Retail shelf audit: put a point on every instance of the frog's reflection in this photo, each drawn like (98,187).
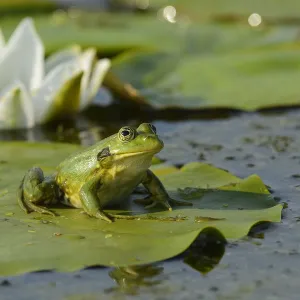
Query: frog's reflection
(203,255)
(130,279)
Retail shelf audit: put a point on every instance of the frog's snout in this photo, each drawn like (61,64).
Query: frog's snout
(154,142)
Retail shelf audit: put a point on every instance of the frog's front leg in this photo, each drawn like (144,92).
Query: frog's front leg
(36,189)
(90,201)
(158,194)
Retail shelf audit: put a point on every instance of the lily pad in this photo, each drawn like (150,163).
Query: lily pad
(247,80)
(73,240)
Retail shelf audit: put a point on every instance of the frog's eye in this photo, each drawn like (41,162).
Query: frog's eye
(126,134)
(103,153)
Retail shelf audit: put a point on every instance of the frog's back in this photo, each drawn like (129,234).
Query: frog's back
(78,165)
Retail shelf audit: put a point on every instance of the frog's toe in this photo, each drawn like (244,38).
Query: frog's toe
(151,202)
(155,203)
(40,209)
(46,211)
(103,216)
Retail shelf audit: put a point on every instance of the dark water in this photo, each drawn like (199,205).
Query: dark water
(265,265)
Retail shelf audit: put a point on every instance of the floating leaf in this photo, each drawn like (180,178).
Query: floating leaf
(243,80)
(73,240)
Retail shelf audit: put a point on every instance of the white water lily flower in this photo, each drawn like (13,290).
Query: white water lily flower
(34,90)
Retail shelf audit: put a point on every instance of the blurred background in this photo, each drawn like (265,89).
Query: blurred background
(169,59)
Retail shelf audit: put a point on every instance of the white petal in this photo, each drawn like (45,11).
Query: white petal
(59,93)
(101,68)
(16,109)
(23,57)
(86,63)
(60,57)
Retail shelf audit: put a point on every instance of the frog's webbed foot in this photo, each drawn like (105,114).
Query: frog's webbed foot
(110,218)
(152,201)
(35,189)
(158,194)
(104,216)
(40,209)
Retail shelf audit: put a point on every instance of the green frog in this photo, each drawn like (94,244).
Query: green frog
(99,176)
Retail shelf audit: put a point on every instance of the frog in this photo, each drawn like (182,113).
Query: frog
(99,176)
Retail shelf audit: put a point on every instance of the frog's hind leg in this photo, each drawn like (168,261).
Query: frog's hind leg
(36,189)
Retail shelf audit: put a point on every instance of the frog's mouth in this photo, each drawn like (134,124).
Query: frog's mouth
(127,154)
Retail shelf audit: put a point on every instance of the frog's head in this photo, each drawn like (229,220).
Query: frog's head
(129,142)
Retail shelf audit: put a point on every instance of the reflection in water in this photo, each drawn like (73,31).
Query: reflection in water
(206,251)
(98,122)
(81,131)
(203,255)
(131,279)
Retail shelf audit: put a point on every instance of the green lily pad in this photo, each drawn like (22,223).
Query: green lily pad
(245,80)
(73,240)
